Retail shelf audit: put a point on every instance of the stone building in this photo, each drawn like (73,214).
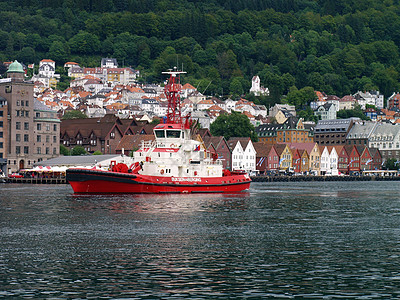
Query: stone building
(3,134)
(28,127)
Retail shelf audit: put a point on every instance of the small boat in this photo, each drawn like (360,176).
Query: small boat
(173,162)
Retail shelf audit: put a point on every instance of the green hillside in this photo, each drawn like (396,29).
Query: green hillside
(335,46)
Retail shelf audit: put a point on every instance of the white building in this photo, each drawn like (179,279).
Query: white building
(256,87)
(243,154)
(109,63)
(370,98)
(230,105)
(326,111)
(329,161)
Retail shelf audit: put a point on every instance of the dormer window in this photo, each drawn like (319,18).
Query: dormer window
(112,135)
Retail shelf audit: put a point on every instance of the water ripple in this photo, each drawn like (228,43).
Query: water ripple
(279,240)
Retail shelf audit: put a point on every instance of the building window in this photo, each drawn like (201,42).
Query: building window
(26,103)
(17,137)
(1,145)
(39,126)
(26,138)
(39,138)
(39,150)
(1,134)
(47,138)
(55,127)
(18,125)
(54,150)
(26,149)
(26,126)
(54,139)
(47,150)
(48,127)
(37,115)
(18,149)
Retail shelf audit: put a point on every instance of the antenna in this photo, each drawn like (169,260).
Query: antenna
(197,87)
(172,91)
(207,87)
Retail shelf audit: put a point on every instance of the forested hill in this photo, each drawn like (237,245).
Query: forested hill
(334,46)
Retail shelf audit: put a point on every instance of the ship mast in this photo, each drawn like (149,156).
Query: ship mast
(172,92)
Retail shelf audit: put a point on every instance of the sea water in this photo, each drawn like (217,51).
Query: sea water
(278,240)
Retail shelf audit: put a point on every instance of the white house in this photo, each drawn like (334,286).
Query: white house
(230,105)
(150,105)
(243,154)
(326,111)
(325,160)
(205,104)
(93,85)
(329,160)
(47,68)
(109,63)
(187,89)
(333,161)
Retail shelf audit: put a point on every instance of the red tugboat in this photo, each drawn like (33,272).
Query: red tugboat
(172,163)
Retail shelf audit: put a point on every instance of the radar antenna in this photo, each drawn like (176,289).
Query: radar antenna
(172,91)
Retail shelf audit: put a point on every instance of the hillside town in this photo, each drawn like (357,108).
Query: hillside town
(121,113)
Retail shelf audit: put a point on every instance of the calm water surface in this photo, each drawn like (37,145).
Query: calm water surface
(284,240)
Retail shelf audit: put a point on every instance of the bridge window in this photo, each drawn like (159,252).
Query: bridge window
(160,133)
(173,134)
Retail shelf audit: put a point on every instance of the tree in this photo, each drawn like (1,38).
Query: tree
(233,125)
(301,98)
(236,87)
(64,150)
(78,150)
(26,55)
(84,43)
(348,113)
(391,164)
(308,115)
(155,121)
(58,52)
(74,114)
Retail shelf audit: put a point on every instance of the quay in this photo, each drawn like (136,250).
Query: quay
(62,180)
(55,180)
(322,178)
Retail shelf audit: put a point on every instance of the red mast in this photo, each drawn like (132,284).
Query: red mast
(172,92)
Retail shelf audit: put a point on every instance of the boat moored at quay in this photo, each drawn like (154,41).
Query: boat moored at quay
(173,162)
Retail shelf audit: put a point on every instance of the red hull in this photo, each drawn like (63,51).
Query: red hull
(94,181)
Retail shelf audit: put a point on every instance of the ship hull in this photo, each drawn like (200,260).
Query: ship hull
(105,182)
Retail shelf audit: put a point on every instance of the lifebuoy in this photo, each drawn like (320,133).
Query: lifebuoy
(195,173)
(172,145)
(162,171)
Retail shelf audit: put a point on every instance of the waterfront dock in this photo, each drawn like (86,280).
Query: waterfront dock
(62,180)
(322,178)
(56,180)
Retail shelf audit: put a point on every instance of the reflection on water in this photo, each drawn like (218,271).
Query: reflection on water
(285,240)
(164,203)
